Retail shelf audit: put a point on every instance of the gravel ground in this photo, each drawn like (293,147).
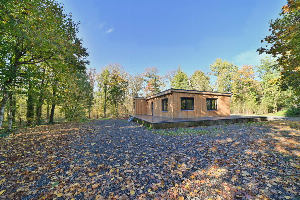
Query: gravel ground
(117,159)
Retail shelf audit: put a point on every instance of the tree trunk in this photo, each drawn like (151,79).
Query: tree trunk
(39,111)
(51,120)
(14,108)
(48,113)
(89,112)
(38,114)
(10,116)
(116,110)
(2,107)
(40,102)
(30,106)
(105,99)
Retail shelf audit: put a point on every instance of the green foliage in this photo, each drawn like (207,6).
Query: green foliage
(200,81)
(153,81)
(136,85)
(283,43)
(113,83)
(117,87)
(224,71)
(38,45)
(293,112)
(90,95)
(180,80)
(76,90)
(245,90)
(271,94)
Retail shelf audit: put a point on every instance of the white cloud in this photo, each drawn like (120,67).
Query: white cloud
(250,57)
(110,30)
(101,25)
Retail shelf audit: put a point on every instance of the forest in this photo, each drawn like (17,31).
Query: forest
(44,74)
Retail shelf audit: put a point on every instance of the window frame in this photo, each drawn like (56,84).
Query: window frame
(186,104)
(162,104)
(211,100)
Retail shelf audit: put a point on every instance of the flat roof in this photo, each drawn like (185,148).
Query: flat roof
(170,91)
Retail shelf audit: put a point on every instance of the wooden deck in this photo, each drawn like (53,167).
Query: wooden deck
(158,122)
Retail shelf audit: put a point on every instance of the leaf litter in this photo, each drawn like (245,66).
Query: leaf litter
(115,159)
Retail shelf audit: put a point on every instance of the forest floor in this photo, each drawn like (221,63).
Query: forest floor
(117,159)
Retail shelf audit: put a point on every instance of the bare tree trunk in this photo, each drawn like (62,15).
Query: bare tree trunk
(105,99)
(2,107)
(40,102)
(14,108)
(30,106)
(10,119)
(89,112)
(48,113)
(116,110)
(39,114)
(51,121)
(39,110)
(10,116)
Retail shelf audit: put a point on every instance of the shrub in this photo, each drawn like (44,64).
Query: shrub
(293,112)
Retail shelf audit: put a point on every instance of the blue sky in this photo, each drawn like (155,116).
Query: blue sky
(166,33)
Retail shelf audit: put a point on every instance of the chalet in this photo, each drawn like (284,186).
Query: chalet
(178,103)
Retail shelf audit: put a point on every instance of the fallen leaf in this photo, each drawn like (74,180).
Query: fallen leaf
(59,194)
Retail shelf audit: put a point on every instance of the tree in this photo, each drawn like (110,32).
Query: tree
(90,98)
(224,71)
(118,83)
(283,44)
(199,81)
(136,85)
(113,83)
(153,81)
(34,32)
(103,80)
(245,90)
(169,76)
(180,80)
(76,90)
(271,93)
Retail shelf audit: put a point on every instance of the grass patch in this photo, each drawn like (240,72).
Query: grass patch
(4,133)
(186,131)
(103,119)
(291,124)
(282,113)
(256,123)
(291,112)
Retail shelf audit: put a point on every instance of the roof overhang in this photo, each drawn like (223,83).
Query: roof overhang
(170,91)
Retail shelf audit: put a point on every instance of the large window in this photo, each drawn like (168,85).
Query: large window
(187,103)
(164,104)
(211,104)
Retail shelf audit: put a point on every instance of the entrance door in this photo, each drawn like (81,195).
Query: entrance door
(152,108)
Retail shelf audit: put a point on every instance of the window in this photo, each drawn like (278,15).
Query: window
(211,104)
(133,105)
(164,104)
(187,103)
